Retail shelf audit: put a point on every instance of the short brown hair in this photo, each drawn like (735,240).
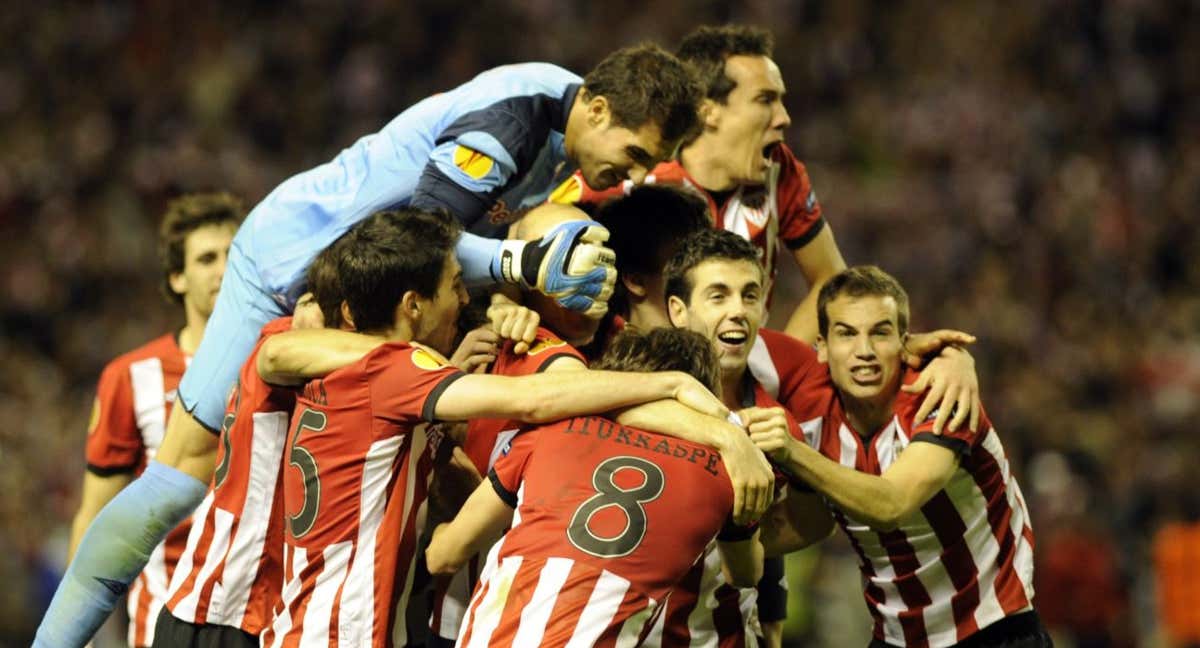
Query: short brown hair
(663,349)
(323,283)
(645,84)
(707,48)
(861,281)
(705,245)
(185,215)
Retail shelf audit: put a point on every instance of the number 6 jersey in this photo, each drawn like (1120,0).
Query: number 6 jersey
(607,520)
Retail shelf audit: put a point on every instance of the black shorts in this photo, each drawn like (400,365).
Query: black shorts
(1024,630)
(772,592)
(170,632)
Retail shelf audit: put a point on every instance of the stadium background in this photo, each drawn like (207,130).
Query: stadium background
(1030,170)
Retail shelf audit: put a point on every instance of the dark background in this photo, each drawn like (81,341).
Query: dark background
(1030,170)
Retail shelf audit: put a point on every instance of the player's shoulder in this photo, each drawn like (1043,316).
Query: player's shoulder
(787,351)
(164,348)
(277,325)
(518,79)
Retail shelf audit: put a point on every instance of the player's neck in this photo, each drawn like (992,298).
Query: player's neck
(866,417)
(731,389)
(575,123)
(704,162)
(190,335)
(644,316)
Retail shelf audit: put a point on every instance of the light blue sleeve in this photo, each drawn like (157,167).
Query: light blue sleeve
(114,551)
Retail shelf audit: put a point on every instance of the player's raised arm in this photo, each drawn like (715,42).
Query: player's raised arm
(482,518)
(293,357)
(549,397)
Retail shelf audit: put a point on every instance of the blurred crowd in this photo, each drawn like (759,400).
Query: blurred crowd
(1030,170)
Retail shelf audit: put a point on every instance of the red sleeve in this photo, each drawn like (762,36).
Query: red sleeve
(508,470)
(546,348)
(799,212)
(575,191)
(797,368)
(406,381)
(114,443)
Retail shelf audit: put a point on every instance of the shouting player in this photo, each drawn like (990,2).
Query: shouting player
(484,151)
(137,390)
(940,526)
(607,519)
(738,163)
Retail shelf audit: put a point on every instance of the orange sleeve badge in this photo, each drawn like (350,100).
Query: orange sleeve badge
(428,359)
(472,162)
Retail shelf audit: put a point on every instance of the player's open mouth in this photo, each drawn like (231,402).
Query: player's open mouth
(867,374)
(733,341)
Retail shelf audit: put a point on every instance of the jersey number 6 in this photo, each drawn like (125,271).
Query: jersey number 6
(630,501)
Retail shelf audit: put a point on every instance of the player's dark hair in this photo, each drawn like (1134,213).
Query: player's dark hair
(663,349)
(388,254)
(324,284)
(862,281)
(702,246)
(706,49)
(185,215)
(645,84)
(645,227)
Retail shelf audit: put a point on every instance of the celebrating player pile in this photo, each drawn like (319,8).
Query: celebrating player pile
(339,504)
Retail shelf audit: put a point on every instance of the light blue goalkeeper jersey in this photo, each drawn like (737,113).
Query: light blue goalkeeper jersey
(487,151)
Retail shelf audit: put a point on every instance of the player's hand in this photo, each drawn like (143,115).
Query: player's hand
(477,350)
(953,387)
(768,428)
(570,264)
(919,345)
(694,394)
(751,475)
(512,321)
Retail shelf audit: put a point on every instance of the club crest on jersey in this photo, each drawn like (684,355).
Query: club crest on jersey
(428,359)
(472,162)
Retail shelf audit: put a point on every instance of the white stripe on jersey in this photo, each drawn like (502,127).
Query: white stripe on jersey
(295,560)
(537,613)
(244,553)
(149,402)
(486,616)
(356,612)
(186,561)
(420,443)
(223,523)
(599,611)
(318,630)
(763,368)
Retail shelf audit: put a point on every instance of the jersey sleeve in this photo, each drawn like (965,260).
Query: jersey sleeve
(477,155)
(509,469)
(961,441)
(800,218)
(405,383)
(114,443)
(546,348)
(576,191)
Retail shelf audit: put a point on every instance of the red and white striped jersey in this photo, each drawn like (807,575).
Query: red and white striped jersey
(354,498)
(959,564)
(784,209)
(704,610)
(485,440)
(607,520)
(231,572)
(133,400)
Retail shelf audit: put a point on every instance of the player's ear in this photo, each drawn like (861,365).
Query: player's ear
(677,311)
(347,317)
(822,349)
(410,305)
(634,284)
(710,113)
(178,282)
(598,112)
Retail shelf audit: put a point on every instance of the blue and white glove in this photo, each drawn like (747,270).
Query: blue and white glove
(570,264)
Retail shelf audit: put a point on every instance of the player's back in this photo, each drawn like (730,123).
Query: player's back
(607,520)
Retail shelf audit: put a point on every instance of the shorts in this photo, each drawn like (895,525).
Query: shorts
(243,307)
(173,633)
(772,592)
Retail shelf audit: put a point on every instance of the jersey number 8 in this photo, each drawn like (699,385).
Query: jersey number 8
(630,501)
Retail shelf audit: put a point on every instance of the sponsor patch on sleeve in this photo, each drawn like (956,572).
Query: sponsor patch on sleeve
(428,359)
(567,193)
(472,162)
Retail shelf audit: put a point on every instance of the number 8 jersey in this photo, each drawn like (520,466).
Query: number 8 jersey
(356,469)
(607,520)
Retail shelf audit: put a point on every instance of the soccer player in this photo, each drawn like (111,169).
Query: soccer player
(751,181)
(608,518)
(137,390)
(358,444)
(940,526)
(485,151)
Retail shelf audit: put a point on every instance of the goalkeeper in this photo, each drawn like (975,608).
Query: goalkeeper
(486,151)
